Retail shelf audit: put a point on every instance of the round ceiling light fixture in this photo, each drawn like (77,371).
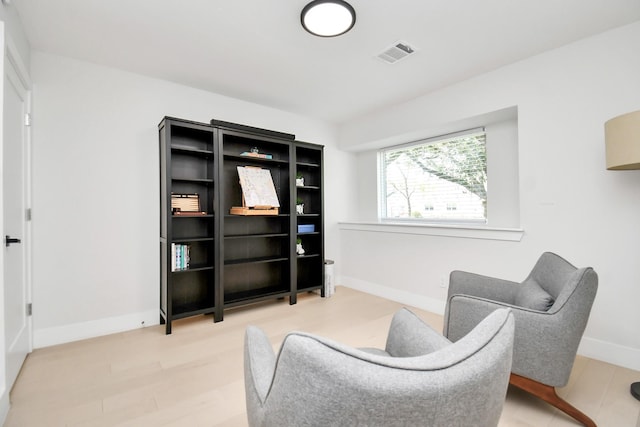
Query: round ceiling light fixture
(328,18)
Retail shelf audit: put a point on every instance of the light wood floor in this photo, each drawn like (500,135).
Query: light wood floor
(194,377)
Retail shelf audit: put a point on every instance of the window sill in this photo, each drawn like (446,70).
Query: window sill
(463,231)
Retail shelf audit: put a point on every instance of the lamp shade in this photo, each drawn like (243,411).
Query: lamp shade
(622,139)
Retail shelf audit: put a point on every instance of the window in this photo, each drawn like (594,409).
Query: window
(438,179)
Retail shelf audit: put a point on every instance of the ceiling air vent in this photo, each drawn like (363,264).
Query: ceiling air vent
(396,52)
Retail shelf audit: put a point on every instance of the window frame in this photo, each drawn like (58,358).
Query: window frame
(382,178)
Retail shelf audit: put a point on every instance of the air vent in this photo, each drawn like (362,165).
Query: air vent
(396,52)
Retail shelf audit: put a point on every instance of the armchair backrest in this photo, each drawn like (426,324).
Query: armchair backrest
(317,381)
(563,281)
(548,358)
(552,273)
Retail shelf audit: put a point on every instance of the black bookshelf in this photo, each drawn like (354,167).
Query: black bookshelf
(309,266)
(235,259)
(187,166)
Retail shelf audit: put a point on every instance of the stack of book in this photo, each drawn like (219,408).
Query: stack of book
(256,154)
(179,257)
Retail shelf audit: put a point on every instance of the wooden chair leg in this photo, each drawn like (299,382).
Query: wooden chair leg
(548,394)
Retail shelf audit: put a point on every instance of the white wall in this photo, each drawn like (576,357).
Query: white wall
(96,190)
(569,203)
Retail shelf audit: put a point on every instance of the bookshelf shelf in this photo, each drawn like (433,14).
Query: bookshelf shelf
(256,260)
(196,180)
(257,160)
(255,236)
(189,150)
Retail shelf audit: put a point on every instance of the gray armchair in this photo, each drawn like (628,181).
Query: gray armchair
(420,379)
(551,308)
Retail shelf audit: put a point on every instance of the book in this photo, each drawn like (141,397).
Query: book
(180,258)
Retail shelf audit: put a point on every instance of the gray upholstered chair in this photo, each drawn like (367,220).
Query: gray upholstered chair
(551,308)
(420,379)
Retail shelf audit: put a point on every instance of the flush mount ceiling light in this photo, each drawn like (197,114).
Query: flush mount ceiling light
(328,18)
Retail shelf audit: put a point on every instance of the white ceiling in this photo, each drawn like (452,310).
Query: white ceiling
(256,50)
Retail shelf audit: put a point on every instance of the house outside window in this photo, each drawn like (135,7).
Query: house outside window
(441,179)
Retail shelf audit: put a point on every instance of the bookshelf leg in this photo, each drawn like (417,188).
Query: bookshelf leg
(217,316)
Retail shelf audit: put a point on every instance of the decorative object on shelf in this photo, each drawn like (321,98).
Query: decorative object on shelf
(306,228)
(254,152)
(250,211)
(328,18)
(259,195)
(299,248)
(299,180)
(622,139)
(186,204)
(299,206)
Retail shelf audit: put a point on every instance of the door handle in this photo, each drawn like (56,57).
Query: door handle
(9,240)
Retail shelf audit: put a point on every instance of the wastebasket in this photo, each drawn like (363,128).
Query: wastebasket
(329,284)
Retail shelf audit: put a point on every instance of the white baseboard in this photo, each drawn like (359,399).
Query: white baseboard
(78,331)
(605,351)
(4,406)
(615,354)
(403,297)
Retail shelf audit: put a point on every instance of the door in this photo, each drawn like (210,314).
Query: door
(14,238)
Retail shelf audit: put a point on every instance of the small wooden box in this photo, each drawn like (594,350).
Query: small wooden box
(258,210)
(186,204)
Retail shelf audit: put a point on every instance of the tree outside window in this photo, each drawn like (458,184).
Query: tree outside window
(440,179)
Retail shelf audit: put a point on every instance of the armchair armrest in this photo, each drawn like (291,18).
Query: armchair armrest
(462,282)
(409,336)
(259,363)
(468,310)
